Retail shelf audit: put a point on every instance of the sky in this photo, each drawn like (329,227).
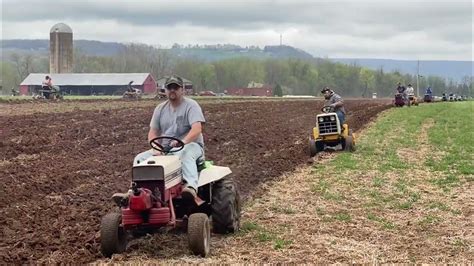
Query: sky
(401,29)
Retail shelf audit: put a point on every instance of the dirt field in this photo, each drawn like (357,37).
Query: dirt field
(58,168)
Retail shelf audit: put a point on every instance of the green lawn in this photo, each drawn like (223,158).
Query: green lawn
(412,173)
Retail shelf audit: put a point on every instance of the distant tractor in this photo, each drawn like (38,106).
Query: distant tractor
(427,98)
(160,94)
(412,100)
(49,93)
(399,101)
(444,97)
(452,97)
(132,93)
(329,132)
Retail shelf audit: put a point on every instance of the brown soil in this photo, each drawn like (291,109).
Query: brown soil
(58,170)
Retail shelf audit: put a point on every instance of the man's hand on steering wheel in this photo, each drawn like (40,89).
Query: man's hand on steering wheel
(176,144)
(164,149)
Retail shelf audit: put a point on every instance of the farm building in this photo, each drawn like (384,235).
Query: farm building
(265,90)
(91,83)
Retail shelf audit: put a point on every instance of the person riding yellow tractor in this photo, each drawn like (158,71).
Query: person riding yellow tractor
(330,130)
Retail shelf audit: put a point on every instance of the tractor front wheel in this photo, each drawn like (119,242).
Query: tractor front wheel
(113,237)
(315,146)
(225,206)
(312,147)
(199,234)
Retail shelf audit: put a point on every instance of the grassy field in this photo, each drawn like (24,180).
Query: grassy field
(405,195)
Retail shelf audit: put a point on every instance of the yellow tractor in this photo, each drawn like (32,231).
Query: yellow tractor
(412,100)
(328,132)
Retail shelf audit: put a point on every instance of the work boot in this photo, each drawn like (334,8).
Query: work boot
(188,193)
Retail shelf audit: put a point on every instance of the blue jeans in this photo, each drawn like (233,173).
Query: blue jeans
(341,116)
(188,156)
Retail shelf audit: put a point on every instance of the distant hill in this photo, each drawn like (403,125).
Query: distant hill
(96,48)
(446,69)
(204,52)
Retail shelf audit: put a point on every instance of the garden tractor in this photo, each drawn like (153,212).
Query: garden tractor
(154,201)
(412,100)
(444,97)
(49,93)
(160,94)
(132,93)
(329,133)
(399,100)
(428,98)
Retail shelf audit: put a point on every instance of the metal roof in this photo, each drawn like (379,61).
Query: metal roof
(87,79)
(60,27)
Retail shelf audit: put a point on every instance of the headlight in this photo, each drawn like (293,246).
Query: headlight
(332,118)
(321,119)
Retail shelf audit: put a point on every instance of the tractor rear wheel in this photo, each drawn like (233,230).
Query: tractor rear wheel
(199,234)
(113,237)
(349,144)
(225,206)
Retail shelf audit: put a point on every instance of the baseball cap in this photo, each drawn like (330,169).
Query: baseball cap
(325,89)
(174,80)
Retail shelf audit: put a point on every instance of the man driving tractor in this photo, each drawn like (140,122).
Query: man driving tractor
(179,117)
(50,91)
(335,101)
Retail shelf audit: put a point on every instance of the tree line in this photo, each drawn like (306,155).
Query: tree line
(292,76)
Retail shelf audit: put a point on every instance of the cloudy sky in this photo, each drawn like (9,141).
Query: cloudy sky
(397,29)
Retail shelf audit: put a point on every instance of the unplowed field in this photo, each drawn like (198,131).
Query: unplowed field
(59,169)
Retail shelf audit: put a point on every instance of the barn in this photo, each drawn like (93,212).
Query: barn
(91,83)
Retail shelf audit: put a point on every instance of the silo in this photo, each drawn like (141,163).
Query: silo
(60,49)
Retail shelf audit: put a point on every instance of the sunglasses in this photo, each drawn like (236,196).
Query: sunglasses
(173,87)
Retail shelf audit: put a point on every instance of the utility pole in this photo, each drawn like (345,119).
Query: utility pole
(417,79)
(281,36)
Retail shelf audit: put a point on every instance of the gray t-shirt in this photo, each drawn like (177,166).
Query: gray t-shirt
(334,99)
(177,122)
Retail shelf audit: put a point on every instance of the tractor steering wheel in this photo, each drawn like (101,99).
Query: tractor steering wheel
(156,145)
(327,109)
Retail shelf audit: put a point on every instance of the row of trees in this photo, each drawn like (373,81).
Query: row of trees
(294,76)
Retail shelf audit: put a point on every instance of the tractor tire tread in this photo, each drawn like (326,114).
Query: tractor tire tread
(198,229)
(225,206)
(112,239)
